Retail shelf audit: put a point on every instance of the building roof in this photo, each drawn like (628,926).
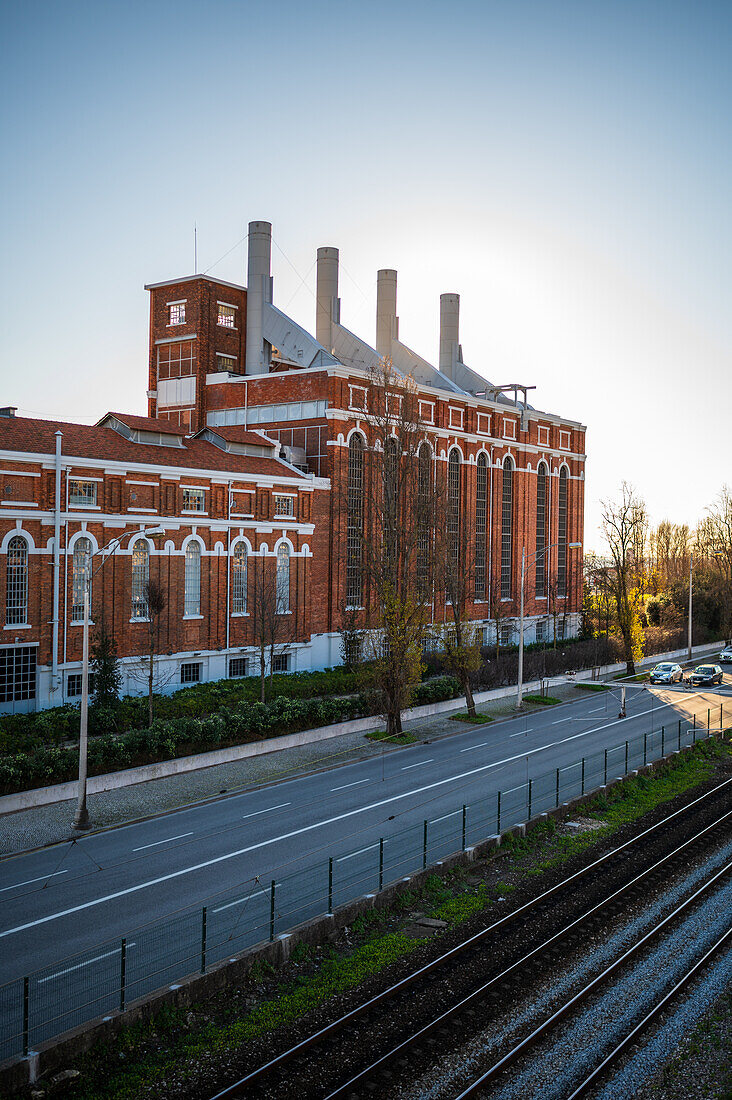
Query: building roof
(100,443)
(237,433)
(192,279)
(144,423)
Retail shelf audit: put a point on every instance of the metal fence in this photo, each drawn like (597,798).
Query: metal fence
(104,980)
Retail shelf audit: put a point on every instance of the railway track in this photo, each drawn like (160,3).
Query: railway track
(478,975)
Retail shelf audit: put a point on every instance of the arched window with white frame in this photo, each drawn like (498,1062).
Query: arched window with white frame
(542,508)
(239,579)
(192,593)
(80,577)
(283,578)
(562,533)
(507,530)
(354,531)
(140,579)
(424,518)
(16,591)
(453,507)
(481,513)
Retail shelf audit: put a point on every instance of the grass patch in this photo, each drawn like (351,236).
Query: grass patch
(478,719)
(399,739)
(592,687)
(542,700)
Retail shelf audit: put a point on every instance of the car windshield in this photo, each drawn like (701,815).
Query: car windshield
(705,669)
(664,668)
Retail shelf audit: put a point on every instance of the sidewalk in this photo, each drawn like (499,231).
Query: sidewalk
(51,824)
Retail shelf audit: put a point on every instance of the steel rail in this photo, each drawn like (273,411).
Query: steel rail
(544,1028)
(242,1086)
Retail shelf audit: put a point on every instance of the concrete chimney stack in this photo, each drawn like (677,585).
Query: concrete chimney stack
(387,322)
(327,302)
(259,291)
(449,334)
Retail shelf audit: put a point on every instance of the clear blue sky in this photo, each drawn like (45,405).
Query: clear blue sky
(565,167)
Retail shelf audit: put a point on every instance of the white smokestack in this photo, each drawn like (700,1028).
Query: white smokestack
(450,352)
(387,322)
(327,302)
(259,291)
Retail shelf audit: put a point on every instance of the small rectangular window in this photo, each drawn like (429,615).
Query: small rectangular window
(238,666)
(357,398)
(506,635)
(190,673)
(225,362)
(484,423)
(543,436)
(82,492)
(177,313)
(73,685)
(194,500)
(281,662)
(456,417)
(284,506)
(564,438)
(227,315)
(541,631)
(509,429)
(427,412)
(17,673)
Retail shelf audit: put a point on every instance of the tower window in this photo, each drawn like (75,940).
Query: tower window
(226,315)
(177,313)
(194,500)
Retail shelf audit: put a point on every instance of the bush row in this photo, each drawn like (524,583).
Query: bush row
(168,738)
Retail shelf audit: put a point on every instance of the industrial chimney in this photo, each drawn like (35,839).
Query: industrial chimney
(387,322)
(327,302)
(259,291)
(450,350)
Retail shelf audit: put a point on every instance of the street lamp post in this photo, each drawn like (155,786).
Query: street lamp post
(691,567)
(534,557)
(81,817)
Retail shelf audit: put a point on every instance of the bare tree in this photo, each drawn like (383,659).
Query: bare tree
(624,523)
(156,602)
(271,621)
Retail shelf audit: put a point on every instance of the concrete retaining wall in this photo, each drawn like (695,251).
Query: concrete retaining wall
(63,792)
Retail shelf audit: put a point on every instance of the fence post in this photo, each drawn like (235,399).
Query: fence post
(26,1014)
(557,788)
(381,862)
(679,735)
(694,728)
(498,815)
(626,757)
(583,775)
(330,884)
(645,748)
(271,911)
(424,847)
(709,719)
(663,740)
(529,815)
(122,975)
(606,767)
(203,940)
(465,824)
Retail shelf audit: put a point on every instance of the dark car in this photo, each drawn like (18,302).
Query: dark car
(706,674)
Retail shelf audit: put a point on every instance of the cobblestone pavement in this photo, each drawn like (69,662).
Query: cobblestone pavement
(44,825)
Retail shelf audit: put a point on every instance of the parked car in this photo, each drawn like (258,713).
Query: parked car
(666,673)
(726,655)
(706,674)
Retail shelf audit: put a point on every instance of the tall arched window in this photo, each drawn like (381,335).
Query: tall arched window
(239,579)
(542,498)
(507,531)
(140,578)
(192,598)
(16,592)
(283,578)
(424,518)
(354,531)
(453,507)
(80,576)
(562,534)
(481,511)
(391,515)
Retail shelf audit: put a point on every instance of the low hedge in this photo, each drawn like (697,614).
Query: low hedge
(167,738)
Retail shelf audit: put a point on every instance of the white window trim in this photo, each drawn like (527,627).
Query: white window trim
(482,417)
(565,446)
(192,617)
(543,442)
(427,405)
(506,423)
(360,389)
(453,409)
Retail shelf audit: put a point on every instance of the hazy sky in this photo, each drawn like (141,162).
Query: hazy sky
(565,167)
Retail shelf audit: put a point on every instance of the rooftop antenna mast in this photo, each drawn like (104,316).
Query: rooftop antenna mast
(195,249)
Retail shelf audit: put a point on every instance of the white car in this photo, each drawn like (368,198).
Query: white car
(666,673)
(725,657)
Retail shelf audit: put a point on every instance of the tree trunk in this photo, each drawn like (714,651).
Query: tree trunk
(262,676)
(469,701)
(150,690)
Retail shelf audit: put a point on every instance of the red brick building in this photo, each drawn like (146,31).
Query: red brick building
(257,432)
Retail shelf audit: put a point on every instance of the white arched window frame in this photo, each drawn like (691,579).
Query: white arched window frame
(481,514)
(239,579)
(507,530)
(454,464)
(542,516)
(192,579)
(140,558)
(283,579)
(562,532)
(424,517)
(354,533)
(16,591)
(80,577)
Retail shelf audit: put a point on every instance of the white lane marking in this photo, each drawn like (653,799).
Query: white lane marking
(156,842)
(521,733)
(360,852)
(268,810)
(309,828)
(560,720)
(445,817)
(239,901)
(418,764)
(28,881)
(597,710)
(347,785)
(470,748)
(88,962)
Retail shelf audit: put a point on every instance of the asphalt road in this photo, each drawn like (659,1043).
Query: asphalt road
(85,896)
